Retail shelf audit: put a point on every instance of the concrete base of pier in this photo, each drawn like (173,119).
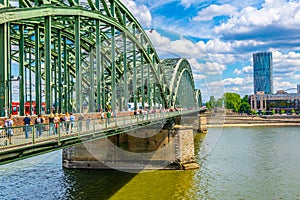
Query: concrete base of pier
(142,149)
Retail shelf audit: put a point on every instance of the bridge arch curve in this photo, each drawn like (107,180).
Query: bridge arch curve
(82,56)
(180,81)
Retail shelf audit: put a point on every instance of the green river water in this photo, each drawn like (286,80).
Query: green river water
(235,163)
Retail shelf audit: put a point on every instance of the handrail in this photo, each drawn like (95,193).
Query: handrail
(39,133)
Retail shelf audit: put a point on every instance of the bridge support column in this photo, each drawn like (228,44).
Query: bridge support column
(147,148)
(202,123)
(184,147)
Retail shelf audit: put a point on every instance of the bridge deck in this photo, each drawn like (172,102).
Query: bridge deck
(82,131)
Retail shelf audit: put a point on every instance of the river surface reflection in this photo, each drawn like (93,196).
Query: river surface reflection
(236,163)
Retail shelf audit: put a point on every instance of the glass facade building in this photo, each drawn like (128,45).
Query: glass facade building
(263,72)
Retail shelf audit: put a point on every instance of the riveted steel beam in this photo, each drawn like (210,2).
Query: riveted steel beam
(21,69)
(3,68)
(78,66)
(48,65)
(58,102)
(37,69)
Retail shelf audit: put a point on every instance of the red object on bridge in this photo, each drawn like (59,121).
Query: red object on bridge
(15,107)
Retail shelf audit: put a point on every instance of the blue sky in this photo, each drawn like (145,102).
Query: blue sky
(219,37)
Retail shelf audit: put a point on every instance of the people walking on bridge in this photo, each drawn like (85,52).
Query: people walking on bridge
(27,122)
(38,124)
(56,122)
(102,116)
(62,121)
(108,115)
(67,122)
(115,115)
(87,123)
(80,118)
(72,120)
(9,131)
(51,124)
(145,113)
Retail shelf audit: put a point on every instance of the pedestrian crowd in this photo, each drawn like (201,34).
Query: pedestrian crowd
(67,122)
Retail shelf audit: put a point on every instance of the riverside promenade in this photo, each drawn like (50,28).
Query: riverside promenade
(228,119)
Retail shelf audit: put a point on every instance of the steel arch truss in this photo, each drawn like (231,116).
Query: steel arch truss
(82,56)
(179,82)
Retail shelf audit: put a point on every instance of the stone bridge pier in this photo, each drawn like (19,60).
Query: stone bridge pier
(167,145)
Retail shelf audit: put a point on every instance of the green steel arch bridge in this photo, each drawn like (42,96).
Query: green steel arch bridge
(80,57)
(77,55)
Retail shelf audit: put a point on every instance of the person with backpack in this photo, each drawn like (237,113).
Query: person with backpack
(27,122)
(38,124)
(9,131)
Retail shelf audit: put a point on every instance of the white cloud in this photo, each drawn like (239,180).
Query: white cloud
(286,65)
(283,85)
(208,68)
(245,70)
(188,3)
(233,81)
(181,47)
(141,12)
(218,46)
(213,11)
(273,12)
(242,86)
(198,77)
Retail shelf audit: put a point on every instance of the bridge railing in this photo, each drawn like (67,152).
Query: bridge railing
(14,137)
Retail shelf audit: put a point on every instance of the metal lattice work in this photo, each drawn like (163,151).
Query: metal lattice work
(82,56)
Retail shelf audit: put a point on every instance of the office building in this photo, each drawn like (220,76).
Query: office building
(281,101)
(263,72)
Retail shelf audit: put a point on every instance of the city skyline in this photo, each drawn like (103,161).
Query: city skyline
(219,37)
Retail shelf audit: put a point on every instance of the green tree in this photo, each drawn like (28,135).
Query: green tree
(232,101)
(219,103)
(253,112)
(208,105)
(273,111)
(211,103)
(244,107)
(245,99)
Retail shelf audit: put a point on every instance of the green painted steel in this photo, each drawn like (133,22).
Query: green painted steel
(21,68)
(3,68)
(37,69)
(48,64)
(98,63)
(78,67)
(88,56)
(58,72)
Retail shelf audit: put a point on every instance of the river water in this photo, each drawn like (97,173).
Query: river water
(236,163)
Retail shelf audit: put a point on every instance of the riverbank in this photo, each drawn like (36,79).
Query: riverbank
(235,120)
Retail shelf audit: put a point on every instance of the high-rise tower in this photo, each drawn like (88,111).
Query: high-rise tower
(263,72)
